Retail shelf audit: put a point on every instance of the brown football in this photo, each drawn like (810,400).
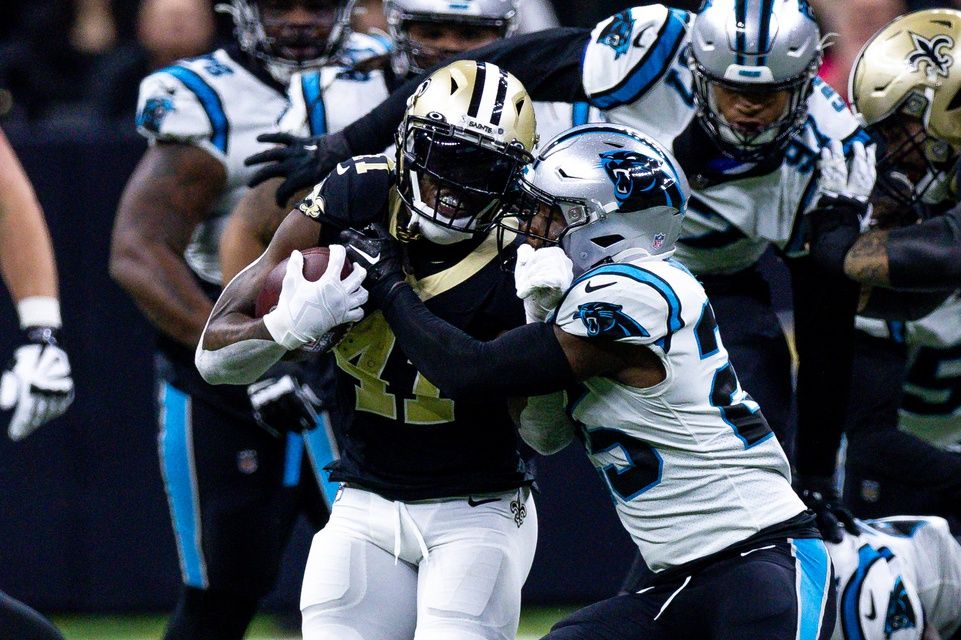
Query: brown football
(315,264)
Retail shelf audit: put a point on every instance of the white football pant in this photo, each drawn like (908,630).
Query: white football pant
(431,570)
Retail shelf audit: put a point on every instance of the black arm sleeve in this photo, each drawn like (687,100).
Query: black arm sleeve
(526,361)
(824,310)
(894,304)
(927,255)
(835,226)
(548,63)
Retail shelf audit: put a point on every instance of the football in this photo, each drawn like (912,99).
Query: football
(315,264)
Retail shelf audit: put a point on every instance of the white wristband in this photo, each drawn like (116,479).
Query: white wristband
(39,311)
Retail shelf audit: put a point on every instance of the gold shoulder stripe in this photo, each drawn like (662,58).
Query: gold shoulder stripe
(447,279)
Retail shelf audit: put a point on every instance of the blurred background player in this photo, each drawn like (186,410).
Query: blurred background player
(906,87)
(233,459)
(747,118)
(434,533)
(36,386)
(899,578)
(695,473)
(424,33)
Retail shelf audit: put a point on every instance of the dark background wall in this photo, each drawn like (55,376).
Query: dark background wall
(83,516)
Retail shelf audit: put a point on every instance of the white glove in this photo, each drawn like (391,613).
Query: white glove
(542,277)
(38,387)
(838,180)
(307,310)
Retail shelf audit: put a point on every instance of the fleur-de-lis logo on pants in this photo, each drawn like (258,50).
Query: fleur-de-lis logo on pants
(932,52)
(519,511)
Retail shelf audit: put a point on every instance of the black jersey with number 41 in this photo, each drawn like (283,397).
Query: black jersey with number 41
(403,439)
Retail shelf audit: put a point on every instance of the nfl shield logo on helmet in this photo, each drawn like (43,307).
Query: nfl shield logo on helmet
(658,241)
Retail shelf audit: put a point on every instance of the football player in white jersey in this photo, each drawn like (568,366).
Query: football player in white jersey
(899,578)
(36,386)
(239,464)
(733,92)
(696,476)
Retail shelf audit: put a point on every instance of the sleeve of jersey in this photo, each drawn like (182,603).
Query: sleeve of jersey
(623,303)
(353,195)
(630,52)
(176,104)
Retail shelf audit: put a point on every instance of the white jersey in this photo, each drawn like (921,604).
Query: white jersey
(691,464)
(931,406)
(634,68)
(901,573)
(216,103)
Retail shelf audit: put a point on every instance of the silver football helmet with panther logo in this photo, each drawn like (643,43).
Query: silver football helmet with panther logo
(285,48)
(599,190)
(754,46)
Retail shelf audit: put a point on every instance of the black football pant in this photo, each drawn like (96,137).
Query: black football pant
(20,622)
(887,471)
(782,591)
(235,492)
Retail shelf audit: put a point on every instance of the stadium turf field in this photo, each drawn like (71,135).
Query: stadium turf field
(535,622)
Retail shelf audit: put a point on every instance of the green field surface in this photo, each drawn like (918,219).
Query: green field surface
(535,622)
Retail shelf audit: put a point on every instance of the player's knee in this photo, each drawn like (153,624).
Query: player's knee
(318,626)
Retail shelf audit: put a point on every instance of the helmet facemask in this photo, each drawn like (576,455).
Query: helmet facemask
(911,163)
(765,140)
(542,219)
(413,55)
(284,47)
(452,179)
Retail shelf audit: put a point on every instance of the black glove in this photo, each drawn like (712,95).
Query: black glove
(301,161)
(283,404)
(821,497)
(381,255)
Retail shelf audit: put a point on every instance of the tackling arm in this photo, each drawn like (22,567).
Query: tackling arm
(171,191)
(924,256)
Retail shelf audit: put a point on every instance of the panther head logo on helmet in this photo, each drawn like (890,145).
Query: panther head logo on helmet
(634,175)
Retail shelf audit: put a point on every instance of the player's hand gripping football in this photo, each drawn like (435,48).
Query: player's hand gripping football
(838,180)
(301,161)
(37,383)
(541,277)
(307,310)
(380,254)
(821,497)
(283,404)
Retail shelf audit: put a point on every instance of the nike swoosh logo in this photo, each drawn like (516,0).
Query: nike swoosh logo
(477,503)
(369,258)
(342,169)
(590,289)
(874,613)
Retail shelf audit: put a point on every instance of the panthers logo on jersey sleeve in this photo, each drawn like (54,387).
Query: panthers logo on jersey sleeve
(630,52)
(622,302)
(177,105)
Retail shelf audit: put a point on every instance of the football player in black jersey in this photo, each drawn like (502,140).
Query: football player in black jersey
(434,530)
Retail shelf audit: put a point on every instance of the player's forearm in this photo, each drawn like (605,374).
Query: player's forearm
(26,253)
(236,349)
(501,366)
(867,260)
(249,229)
(163,288)
(926,256)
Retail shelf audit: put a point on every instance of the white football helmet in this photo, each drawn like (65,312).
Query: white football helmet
(601,190)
